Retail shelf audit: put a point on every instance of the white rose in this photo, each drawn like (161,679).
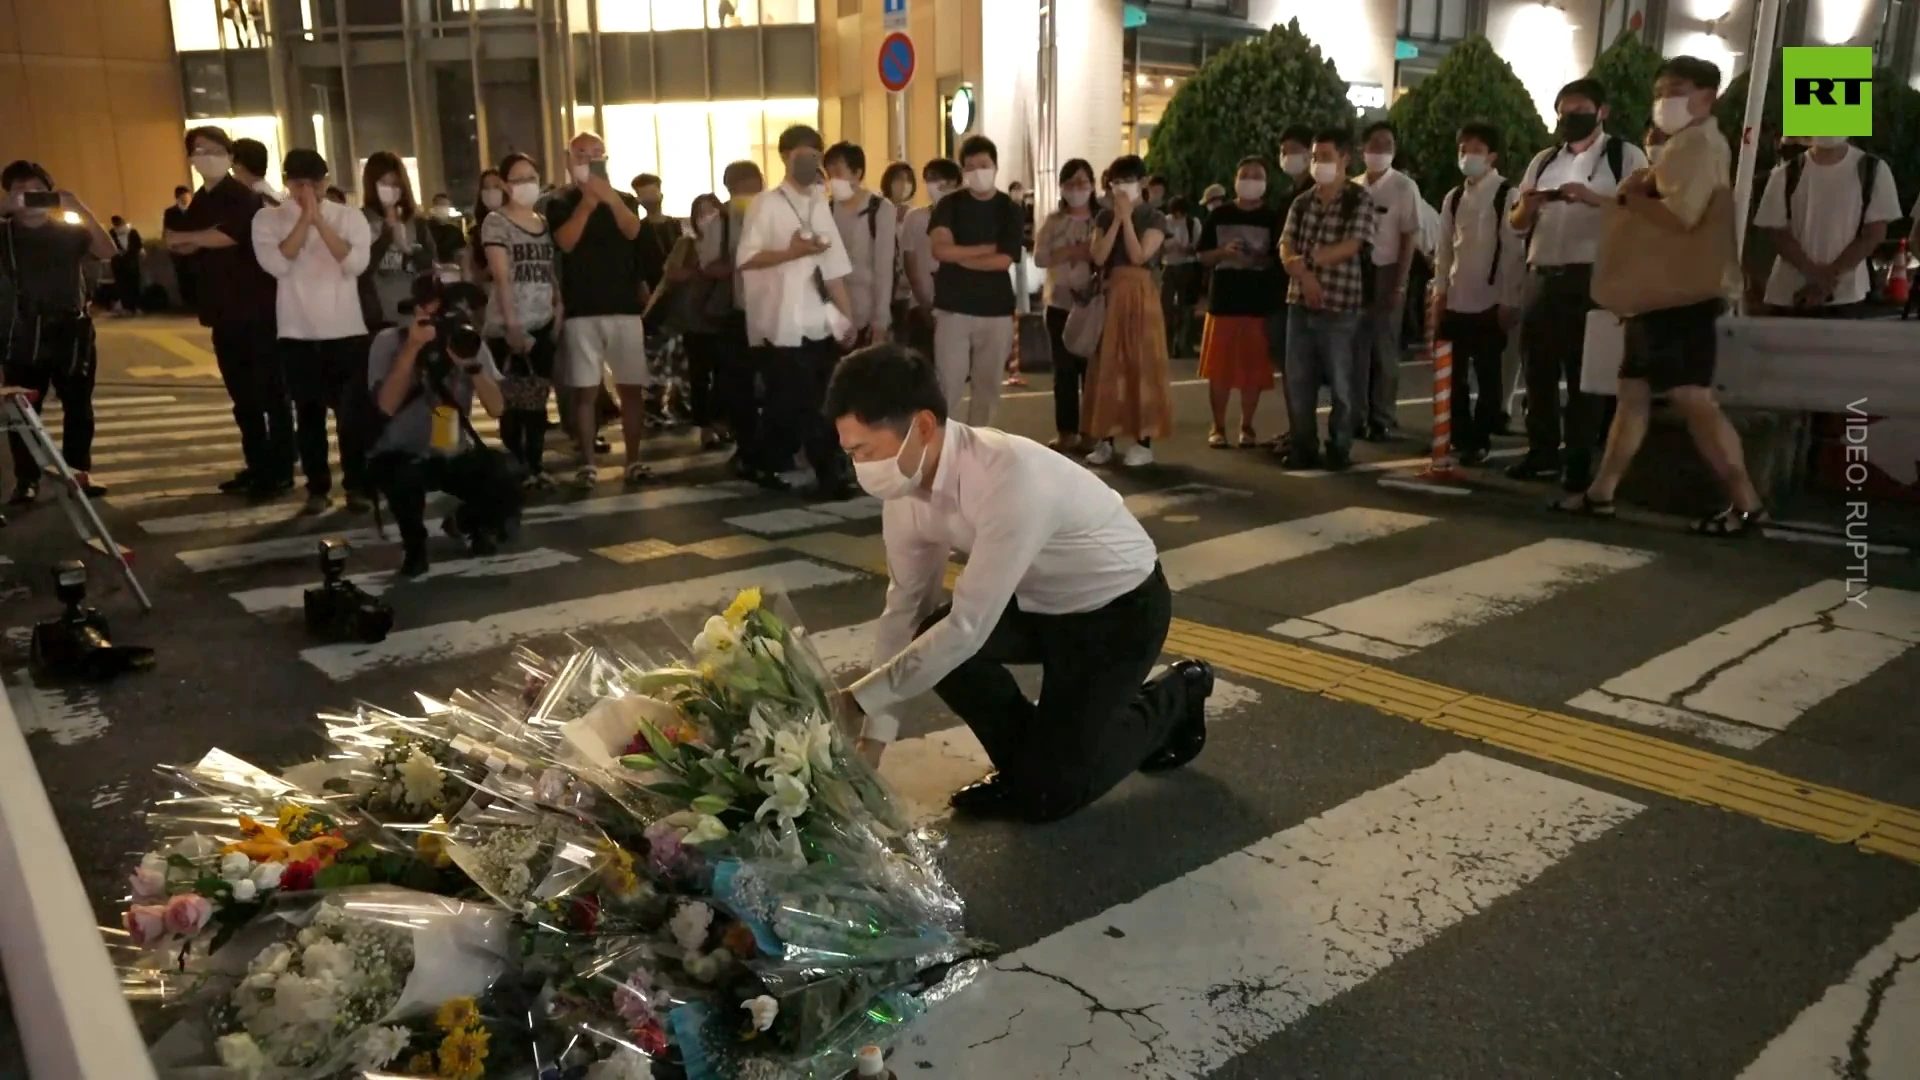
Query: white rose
(379,1046)
(623,1065)
(266,876)
(327,959)
(272,960)
(763,1009)
(239,1052)
(154,862)
(244,890)
(234,866)
(690,925)
(422,777)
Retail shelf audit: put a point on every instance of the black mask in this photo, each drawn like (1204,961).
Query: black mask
(1791,150)
(1575,127)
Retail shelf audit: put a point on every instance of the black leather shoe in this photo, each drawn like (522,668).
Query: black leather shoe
(242,483)
(988,798)
(1190,737)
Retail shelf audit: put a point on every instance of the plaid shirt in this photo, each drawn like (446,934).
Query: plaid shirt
(1311,223)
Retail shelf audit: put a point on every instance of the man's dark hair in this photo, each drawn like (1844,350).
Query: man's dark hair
(1297,133)
(1377,126)
(1251,159)
(1339,138)
(335,194)
(848,153)
(117,220)
(181,189)
(979,144)
(798,137)
(304,164)
(211,134)
(24,170)
(884,386)
(1483,131)
(1126,167)
(1157,179)
(1179,205)
(1703,74)
(428,288)
(946,170)
(251,155)
(737,171)
(646,179)
(1592,89)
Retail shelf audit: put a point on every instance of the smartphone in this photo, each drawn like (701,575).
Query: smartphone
(1555,196)
(40,200)
(597,168)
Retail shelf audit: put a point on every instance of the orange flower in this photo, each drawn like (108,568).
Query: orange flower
(265,843)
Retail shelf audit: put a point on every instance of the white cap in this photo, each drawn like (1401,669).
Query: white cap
(871,1062)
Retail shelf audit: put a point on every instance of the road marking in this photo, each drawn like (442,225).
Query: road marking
(447,641)
(1423,487)
(213,419)
(233,556)
(1749,680)
(1386,466)
(1252,549)
(109,403)
(1401,621)
(781,522)
(1178,982)
(69,716)
(484,426)
(247,516)
(293,597)
(1861,1029)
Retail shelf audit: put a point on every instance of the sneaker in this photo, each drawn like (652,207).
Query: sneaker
(240,484)
(1137,455)
(24,493)
(483,544)
(586,478)
(1102,453)
(1532,468)
(270,489)
(1475,456)
(602,446)
(316,504)
(84,481)
(414,564)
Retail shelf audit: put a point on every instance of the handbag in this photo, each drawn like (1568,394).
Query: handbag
(1644,267)
(1085,323)
(1601,353)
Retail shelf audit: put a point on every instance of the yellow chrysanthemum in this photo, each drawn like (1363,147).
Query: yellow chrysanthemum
(420,1065)
(290,818)
(743,605)
(457,1013)
(463,1054)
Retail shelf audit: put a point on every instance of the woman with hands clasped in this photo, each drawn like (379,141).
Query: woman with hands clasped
(402,244)
(523,314)
(1127,391)
(1063,249)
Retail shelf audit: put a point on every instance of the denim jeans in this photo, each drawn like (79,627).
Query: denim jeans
(1377,353)
(1320,353)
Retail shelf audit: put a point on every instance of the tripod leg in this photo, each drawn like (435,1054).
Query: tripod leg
(79,510)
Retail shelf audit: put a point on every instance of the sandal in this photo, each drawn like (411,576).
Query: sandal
(1248,439)
(1584,505)
(1731,522)
(638,473)
(1217,439)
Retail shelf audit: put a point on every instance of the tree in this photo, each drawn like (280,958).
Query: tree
(1239,102)
(1627,69)
(1472,83)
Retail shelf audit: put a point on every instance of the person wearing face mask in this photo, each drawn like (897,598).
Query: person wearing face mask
(794,268)
(1213,198)
(1827,209)
(403,246)
(1063,249)
(899,185)
(1479,278)
(1323,244)
(1238,246)
(701,306)
(659,232)
(125,266)
(1396,238)
(974,235)
(1128,392)
(1562,196)
(46,335)
(942,177)
(736,363)
(491,196)
(1671,349)
(1285,184)
(172,220)
(869,229)
(216,237)
(1180,277)
(1059,574)
(523,315)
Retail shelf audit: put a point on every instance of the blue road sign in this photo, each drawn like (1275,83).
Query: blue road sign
(896,62)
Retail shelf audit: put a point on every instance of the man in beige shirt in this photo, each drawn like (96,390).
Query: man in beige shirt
(1671,350)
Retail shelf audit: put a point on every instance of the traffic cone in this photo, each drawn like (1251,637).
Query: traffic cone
(1443,466)
(1898,286)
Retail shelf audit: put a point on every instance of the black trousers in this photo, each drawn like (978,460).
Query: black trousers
(796,386)
(489,496)
(720,380)
(323,376)
(1553,337)
(1097,718)
(54,354)
(1068,372)
(257,386)
(523,427)
(1478,343)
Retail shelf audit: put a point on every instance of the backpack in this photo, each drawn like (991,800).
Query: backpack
(1615,156)
(872,214)
(1869,167)
(1451,205)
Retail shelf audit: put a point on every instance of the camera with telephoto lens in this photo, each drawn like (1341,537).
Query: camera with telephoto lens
(456,340)
(76,644)
(338,609)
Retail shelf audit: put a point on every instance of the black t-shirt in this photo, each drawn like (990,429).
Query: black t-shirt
(657,237)
(45,262)
(971,220)
(234,286)
(1256,286)
(602,275)
(1145,219)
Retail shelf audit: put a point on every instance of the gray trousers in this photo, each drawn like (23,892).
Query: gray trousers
(1376,354)
(971,348)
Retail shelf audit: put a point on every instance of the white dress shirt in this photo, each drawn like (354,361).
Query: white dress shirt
(916,250)
(1036,526)
(1396,201)
(1826,218)
(784,305)
(319,295)
(867,233)
(1465,255)
(1568,233)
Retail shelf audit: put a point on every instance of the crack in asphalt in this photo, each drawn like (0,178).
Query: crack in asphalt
(1002,1035)
(1096,1007)
(1857,1062)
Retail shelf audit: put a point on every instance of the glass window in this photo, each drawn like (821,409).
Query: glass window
(704,138)
(679,14)
(1422,18)
(622,17)
(724,13)
(1453,20)
(196,25)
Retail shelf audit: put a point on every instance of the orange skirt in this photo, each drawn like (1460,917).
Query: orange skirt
(1127,393)
(1233,353)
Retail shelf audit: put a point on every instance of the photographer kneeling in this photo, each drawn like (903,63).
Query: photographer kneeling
(424,379)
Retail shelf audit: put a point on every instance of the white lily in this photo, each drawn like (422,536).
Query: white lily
(786,796)
(716,640)
(753,744)
(789,756)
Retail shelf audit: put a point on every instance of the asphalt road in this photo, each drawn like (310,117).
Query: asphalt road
(1330,891)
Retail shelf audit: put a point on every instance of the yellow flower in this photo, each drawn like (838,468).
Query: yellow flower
(290,818)
(463,1054)
(743,605)
(420,1065)
(618,876)
(457,1013)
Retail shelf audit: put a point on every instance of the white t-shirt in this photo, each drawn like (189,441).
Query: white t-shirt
(1396,199)
(1568,233)
(784,305)
(1826,218)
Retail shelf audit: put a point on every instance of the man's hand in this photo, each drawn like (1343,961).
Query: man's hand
(421,334)
(804,244)
(870,751)
(874,335)
(519,341)
(1313,292)
(308,202)
(1813,294)
(1509,318)
(1580,193)
(1535,198)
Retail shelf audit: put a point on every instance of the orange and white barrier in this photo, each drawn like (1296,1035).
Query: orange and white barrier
(1443,466)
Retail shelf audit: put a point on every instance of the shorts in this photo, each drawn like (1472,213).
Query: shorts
(1674,346)
(592,343)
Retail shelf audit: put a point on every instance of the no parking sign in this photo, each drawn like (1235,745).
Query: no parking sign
(896,62)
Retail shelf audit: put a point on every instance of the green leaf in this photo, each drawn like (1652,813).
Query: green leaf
(663,747)
(685,793)
(336,876)
(641,762)
(1472,83)
(180,862)
(712,804)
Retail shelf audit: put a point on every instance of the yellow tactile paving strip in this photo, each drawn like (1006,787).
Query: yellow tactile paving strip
(1629,757)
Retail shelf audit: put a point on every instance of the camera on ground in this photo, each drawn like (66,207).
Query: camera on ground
(77,643)
(339,610)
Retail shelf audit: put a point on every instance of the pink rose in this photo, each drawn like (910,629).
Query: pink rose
(148,883)
(146,923)
(187,913)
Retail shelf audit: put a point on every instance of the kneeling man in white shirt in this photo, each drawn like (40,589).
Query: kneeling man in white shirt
(1058,574)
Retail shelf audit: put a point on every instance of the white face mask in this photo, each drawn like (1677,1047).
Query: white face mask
(1473,165)
(526,192)
(264,188)
(1250,190)
(937,191)
(1130,189)
(389,194)
(1077,197)
(900,192)
(211,167)
(493,198)
(1828,142)
(1294,164)
(1325,172)
(842,189)
(706,219)
(884,479)
(1671,114)
(1379,163)
(980,181)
